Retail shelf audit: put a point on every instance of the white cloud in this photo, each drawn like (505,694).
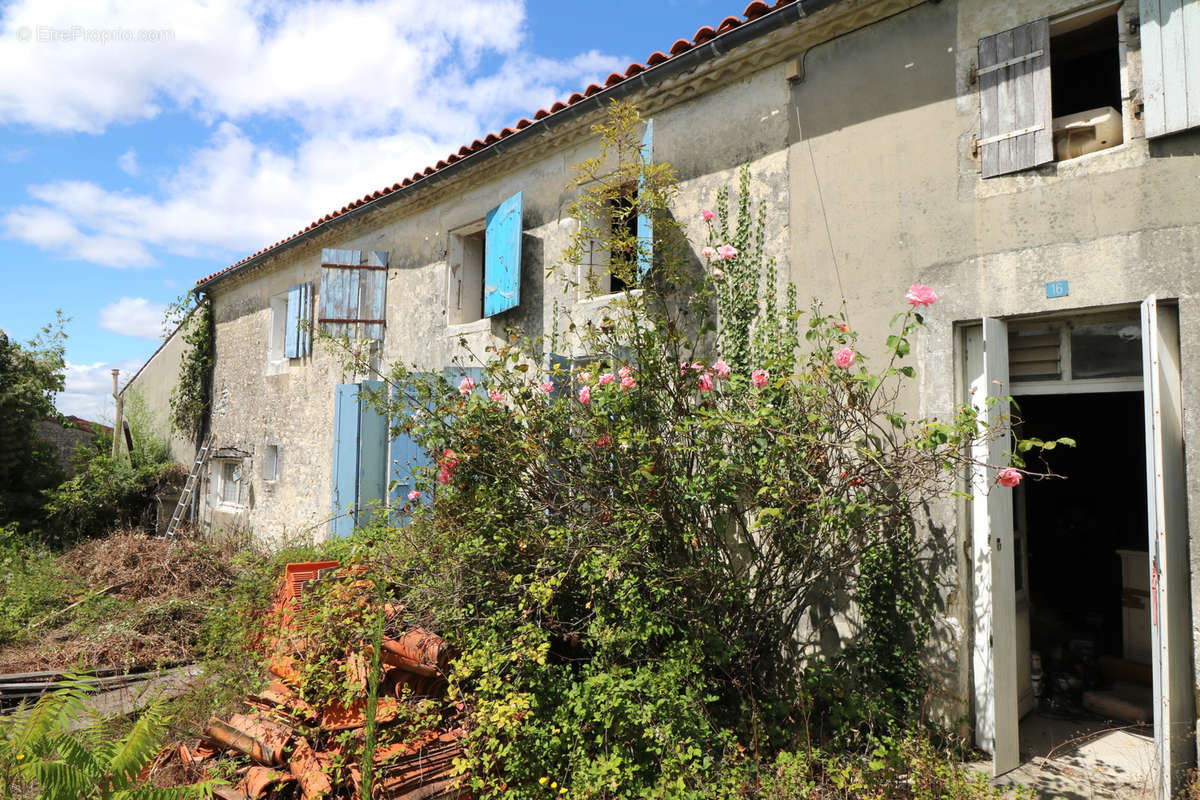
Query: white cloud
(356,95)
(127,162)
(88,392)
(134,316)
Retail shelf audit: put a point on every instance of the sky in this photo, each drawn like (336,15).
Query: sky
(146,144)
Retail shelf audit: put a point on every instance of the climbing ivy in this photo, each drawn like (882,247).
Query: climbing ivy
(192,396)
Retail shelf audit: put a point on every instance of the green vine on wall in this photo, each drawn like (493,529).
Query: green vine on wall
(192,396)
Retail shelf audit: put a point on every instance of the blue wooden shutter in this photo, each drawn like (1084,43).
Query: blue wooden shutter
(345,459)
(372,453)
(354,293)
(1170,31)
(297,342)
(405,459)
(502,257)
(645,222)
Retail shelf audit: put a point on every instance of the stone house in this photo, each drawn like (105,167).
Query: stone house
(1036,161)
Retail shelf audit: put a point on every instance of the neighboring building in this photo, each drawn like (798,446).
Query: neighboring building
(66,438)
(897,141)
(153,383)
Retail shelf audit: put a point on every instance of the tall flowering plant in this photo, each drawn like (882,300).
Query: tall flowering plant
(640,535)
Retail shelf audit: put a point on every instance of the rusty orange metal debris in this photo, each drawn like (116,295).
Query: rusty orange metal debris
(279,732)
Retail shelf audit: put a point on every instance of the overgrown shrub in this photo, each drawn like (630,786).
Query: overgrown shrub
(639,552)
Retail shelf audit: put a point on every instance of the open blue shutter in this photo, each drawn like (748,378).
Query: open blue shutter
(345,459)
(372,453)
(291,342)
(1170,33)
(645,223)
(502,257)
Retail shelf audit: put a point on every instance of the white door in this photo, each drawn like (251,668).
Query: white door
(1166,494)
(994,658)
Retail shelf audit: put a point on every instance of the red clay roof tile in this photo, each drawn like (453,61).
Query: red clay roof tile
(756,9)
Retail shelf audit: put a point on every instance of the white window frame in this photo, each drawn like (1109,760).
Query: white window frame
(230,471)
(596,261)
(465,267)
(1066,384)
(277,361)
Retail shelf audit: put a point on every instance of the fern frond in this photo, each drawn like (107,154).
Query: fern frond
(139,747)
(73,752)
(61,781)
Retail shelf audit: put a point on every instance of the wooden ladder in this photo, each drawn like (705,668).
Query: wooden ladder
(189,487)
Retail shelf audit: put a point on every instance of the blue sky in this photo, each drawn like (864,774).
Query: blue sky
(144,144)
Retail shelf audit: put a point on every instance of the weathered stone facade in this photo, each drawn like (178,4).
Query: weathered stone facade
(858,124)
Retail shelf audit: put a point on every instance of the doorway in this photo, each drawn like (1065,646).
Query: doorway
(1062,360)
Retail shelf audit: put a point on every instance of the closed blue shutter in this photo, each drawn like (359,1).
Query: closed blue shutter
(502,257)
(304,320)
(645,222)
(345,459)
(372,453)
(354,293)
(405,460)
(373,301)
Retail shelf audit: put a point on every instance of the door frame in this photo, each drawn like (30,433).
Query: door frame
(994,674)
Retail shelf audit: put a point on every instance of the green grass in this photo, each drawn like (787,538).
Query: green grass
(32,586)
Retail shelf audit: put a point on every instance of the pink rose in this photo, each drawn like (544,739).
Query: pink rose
(706,383)
(628,382)
(606,378)
(718,273)
(547,387)
(443,476)
(604,441)
(697,366)
(449,458)
(584,377)
(844,357)
(495,395)
(760,377)
(684,367)
(465,386)
(921,295)
(706,214)
(1008,477)
(708,253)
(727,251)
(414,495)
(625,371)
(722,369)
(585,395)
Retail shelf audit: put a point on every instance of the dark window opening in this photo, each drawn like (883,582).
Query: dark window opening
(624,237)
(1085,69)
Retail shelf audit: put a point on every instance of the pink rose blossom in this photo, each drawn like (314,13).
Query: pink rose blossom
(443,476)
(449,458)
(628,382)
(495,395)
(604,441)
(585,395)
(1008,477)
(625,371)
(684,367)
(722,369)
(718,273)
(706,383)
(547,387)
(760,377)
(727,251)
(584,377)
(708,253)
(844,357)
(606,378)
(697,366)
(706,214)
(465,386)
(921,295)
(414,495)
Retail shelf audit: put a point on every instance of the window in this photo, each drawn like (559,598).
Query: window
(1049,90)
(620,226)
(485,265)
(1097,348)
(290,333)
(270,462)
(230,488)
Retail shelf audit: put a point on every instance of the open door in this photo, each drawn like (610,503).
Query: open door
(1166,494)
(994,659)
